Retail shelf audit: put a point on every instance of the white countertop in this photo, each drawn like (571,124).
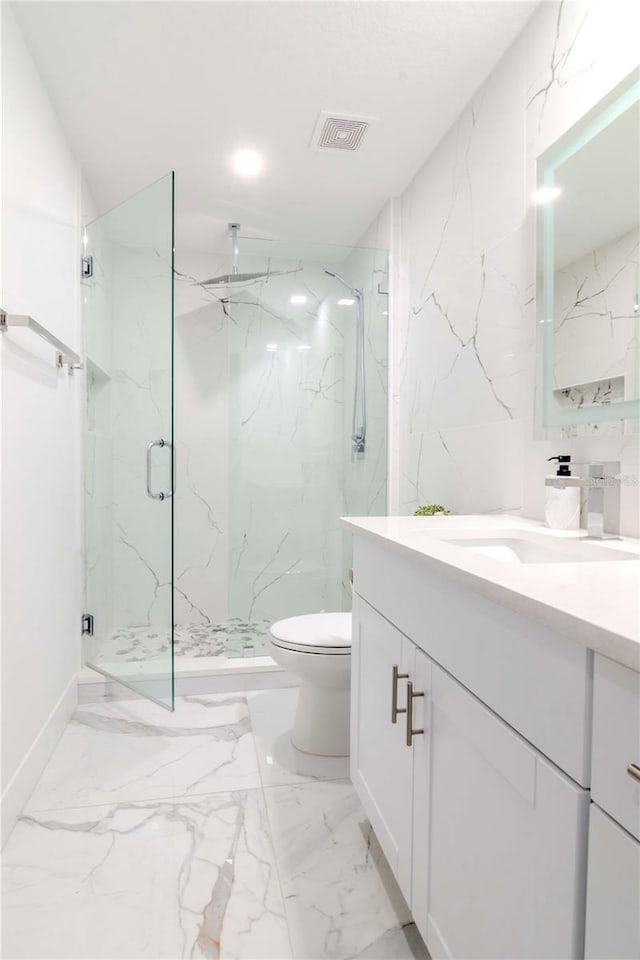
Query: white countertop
(596,604)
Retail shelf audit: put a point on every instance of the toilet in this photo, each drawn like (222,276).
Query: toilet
(316,648)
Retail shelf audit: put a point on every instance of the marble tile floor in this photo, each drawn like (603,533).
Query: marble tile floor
(232,638)
(201,833)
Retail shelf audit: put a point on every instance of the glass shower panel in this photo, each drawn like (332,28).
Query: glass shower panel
(129,464)
(293,468)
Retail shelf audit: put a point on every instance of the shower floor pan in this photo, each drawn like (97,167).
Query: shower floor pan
(231,638)
(208,658)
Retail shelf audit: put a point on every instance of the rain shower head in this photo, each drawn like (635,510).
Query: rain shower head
(227,278)
(234,277)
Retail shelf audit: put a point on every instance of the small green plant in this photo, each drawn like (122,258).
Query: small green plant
(430,510)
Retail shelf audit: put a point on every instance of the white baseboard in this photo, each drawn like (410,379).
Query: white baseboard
(21,785)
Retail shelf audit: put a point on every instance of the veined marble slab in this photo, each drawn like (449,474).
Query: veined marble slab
(159,879)
(340,896)
(134,750)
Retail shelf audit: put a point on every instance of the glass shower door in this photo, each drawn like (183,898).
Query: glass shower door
(129,461)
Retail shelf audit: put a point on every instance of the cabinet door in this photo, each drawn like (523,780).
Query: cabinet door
(616,742)
(381,763)
(507,838)
(613,891)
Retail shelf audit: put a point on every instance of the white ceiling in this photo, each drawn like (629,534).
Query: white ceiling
(144,87)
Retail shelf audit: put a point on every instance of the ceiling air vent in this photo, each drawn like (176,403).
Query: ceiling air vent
(335,131)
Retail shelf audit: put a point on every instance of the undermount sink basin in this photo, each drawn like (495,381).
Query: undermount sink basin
(531,549)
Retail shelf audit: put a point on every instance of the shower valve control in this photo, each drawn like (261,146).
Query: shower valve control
(87,624)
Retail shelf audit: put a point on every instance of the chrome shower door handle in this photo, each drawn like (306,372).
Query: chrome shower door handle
(162,495)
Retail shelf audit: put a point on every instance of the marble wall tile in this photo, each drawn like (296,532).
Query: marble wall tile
(155,879)
(291,382)
(472,469)
(286,384)
(575,53)
(201,529)
(467,373)
(365,479)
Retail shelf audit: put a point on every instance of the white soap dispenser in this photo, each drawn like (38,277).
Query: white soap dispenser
(562,508)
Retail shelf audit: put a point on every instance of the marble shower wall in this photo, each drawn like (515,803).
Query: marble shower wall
(264,470)
(262,439)
(365,480)
(202,444)
(286,395)
(467,370)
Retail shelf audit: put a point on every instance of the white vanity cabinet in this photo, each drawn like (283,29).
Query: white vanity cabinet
(484,835)
(613,876)
(507,797)
(497,871)
(613,891)
(381,765)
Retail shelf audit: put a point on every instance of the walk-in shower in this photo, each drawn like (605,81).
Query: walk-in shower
(259,386)
(359,419)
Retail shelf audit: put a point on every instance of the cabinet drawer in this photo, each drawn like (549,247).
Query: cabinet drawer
(613,891)
(541,684)
(616,742)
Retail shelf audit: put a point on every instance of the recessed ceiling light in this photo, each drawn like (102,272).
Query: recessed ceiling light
(546,195)
(346,302)
(297,298)
(271,347)
(247,163)
(304,346)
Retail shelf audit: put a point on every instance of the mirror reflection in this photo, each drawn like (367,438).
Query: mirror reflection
(589,242)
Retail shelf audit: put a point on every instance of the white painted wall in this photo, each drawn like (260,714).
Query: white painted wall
(467,370)
(40,427)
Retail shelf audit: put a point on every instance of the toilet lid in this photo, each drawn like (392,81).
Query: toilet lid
(323,632)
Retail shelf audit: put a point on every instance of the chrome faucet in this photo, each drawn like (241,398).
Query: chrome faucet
(602,477)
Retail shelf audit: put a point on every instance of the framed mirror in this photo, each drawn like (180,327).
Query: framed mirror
(588,269)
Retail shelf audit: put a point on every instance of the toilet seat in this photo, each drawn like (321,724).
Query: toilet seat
(328,634)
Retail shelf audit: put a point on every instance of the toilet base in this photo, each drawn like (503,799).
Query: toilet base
(322,721)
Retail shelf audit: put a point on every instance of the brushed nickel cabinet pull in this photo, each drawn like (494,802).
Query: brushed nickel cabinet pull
(411,696)
(634,771)
(395,709)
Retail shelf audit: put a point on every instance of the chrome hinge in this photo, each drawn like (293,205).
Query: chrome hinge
(87,624)
(383,287)
(87,267)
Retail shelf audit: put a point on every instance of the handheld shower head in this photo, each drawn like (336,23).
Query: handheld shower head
(359,424)
(336,276)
